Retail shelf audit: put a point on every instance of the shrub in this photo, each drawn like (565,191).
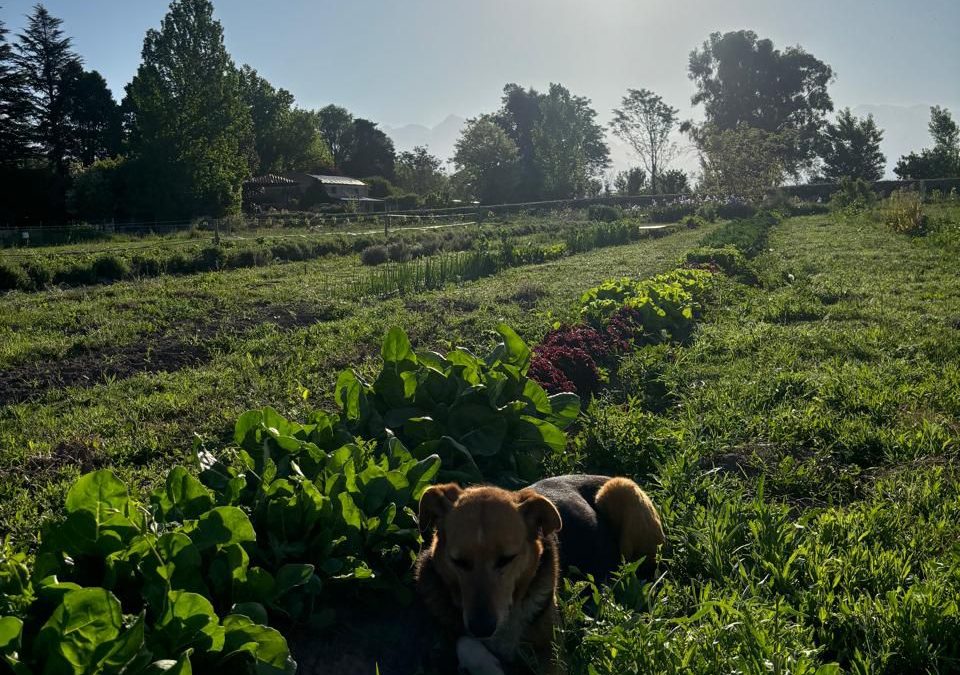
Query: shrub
(604,213)
(374,255)
(736,209)
(13,276)
(78,273)
(904,213)
(211,258)
(110,267)
(397,251)
(39,273)
(854,195)
(707,211)
(671,213)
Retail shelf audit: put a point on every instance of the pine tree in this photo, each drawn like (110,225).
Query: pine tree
(47,60)
(190,129)
(13,105)
(852,148)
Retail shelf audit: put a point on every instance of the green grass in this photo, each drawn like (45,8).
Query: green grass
(803,450)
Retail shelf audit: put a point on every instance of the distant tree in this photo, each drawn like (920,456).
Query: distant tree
(744,81)
(851,148)
(420,172)
(380,187)
(301,145)
(645,122)
(369,151)
(518,116)
(93,118)
(286,138)
(940,161)
(47,62)
(674,182)
(270,110)
(190,130)
(569,147)
(14,106)
(97,193)
(336,127)
(486,160)
(631,181)
(745,162)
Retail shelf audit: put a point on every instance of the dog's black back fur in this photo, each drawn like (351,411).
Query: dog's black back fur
(587,541)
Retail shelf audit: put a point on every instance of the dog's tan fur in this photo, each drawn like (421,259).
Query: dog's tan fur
(495,556)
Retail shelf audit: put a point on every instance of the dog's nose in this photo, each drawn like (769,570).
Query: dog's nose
(481,624)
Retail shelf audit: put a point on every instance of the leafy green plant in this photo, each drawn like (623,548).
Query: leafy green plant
(667,302)
(483,416)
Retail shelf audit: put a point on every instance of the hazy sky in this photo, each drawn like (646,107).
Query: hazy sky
(417,61)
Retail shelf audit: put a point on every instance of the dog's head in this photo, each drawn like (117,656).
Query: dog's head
(487,548)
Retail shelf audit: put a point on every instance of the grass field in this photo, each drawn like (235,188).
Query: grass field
(801,445)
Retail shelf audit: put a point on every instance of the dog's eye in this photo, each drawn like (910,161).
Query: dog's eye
(505,560)
(463,564)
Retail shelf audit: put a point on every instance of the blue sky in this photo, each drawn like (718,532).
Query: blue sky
(418,61)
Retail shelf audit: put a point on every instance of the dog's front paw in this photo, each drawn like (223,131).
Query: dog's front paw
(475,659)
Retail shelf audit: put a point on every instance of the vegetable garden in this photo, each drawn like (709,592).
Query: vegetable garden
(797,433)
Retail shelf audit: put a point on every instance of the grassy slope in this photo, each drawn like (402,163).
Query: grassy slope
(805,463)
(265,336)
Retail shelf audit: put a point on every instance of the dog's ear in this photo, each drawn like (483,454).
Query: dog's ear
(435,503)
(539,513)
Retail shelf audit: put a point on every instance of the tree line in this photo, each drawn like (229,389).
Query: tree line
(192,126)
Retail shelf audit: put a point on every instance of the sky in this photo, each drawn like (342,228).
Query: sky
(402,62)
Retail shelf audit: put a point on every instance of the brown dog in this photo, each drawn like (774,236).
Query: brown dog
(492,568)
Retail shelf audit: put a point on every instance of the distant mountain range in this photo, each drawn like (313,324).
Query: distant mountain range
(904,127)
(439,139)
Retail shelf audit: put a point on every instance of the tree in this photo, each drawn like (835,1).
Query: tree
(369,151)
(336,127)
(744,81)
(674,182)
(269,114)
(93,118)
(190,131)
(851,148)
(941,161)
(745,162)
(569,147)
(631,181)
(645,122)
(47,62)
(14,140)
(518,116)
(420,172)
(285,138)
(301,146)
(486,160)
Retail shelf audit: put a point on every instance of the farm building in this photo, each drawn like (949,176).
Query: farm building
(288,191)
(341,188)
(271,191)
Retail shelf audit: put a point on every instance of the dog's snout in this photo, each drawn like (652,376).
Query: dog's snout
(481,624)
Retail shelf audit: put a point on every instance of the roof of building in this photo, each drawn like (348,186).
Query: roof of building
(270,179)
(337,180)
